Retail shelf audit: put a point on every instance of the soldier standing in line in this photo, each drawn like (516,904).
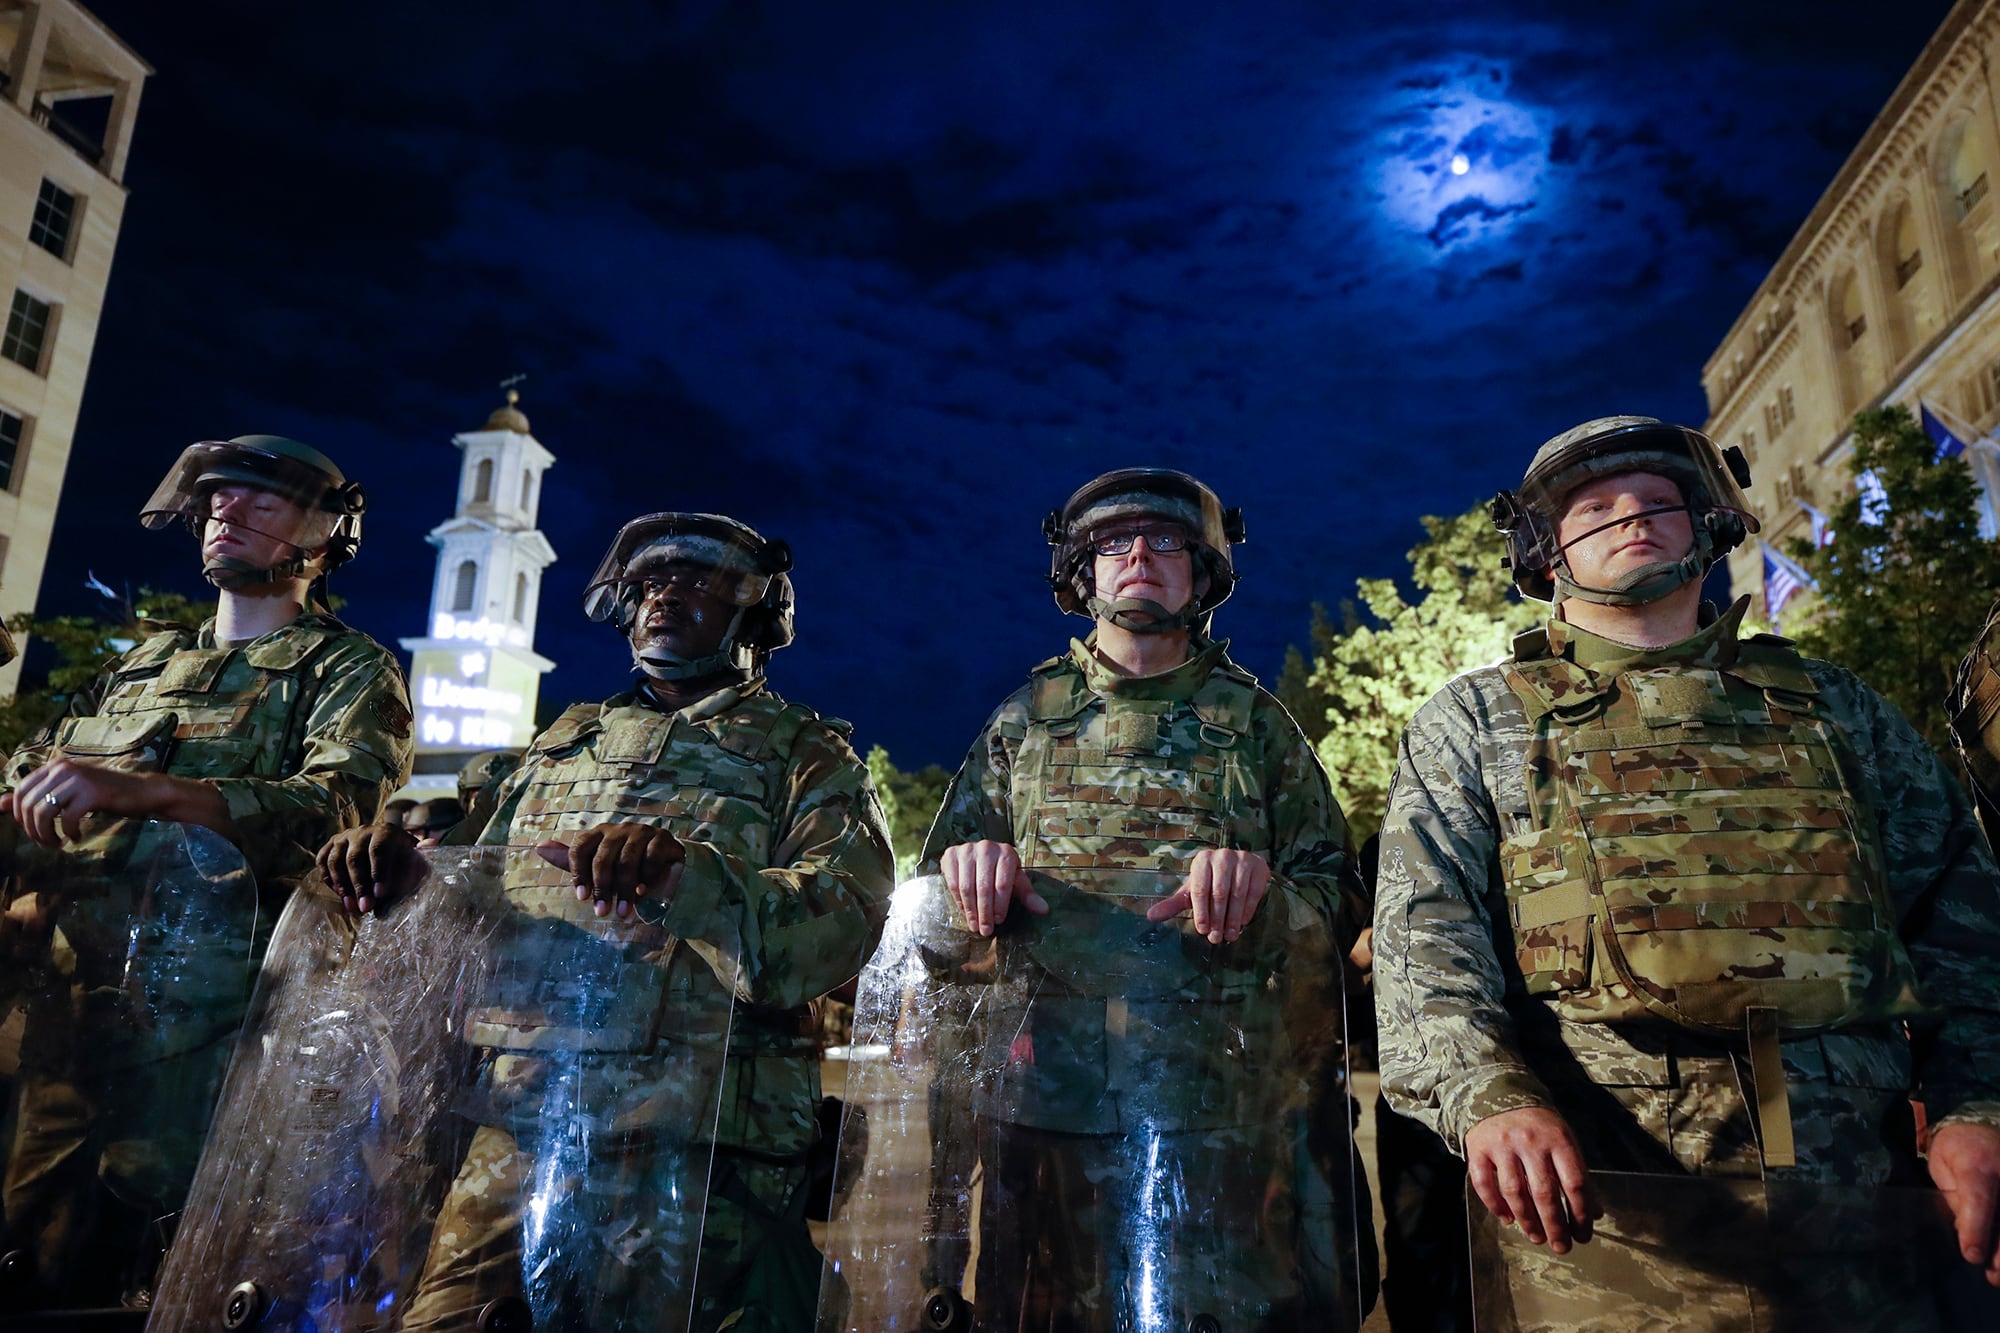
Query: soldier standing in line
(1658,898)
(1141,753)
(274,725)
(699,808)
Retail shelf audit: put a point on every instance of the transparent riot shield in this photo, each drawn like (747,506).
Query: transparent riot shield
(480,1108)
(1094,1123)
(126,960)
(1736,1256)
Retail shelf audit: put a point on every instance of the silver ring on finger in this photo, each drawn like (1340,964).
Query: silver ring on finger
(52,801)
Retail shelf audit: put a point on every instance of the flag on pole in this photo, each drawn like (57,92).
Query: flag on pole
(1822,527)
(1948,432)
(96,585)
(1782,578)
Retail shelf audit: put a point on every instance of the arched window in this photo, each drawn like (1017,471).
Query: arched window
(1965,170)
(520,599)
(527,489)
(1853,318)
(462,590)
(482,483)
(1909,254)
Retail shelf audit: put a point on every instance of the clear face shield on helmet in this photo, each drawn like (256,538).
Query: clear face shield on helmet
(1711,483)
(704,554)
(331,505)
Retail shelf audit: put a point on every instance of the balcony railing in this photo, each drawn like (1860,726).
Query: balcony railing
(1907,269)
(1969,197)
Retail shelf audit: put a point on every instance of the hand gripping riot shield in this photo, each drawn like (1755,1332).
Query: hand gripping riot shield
(126,960)
(1723,1255)
(1094,1123)
(481,1108)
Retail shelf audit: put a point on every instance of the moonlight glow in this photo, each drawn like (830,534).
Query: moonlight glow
(1460,164)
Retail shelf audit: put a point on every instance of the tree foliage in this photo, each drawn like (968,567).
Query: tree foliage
(83,644)
(910,801)
(1368,677)
(1901,600)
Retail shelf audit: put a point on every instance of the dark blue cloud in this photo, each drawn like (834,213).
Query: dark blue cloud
(890,279)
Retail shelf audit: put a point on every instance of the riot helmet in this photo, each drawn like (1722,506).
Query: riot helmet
(1139,495)
(285,468)
(1711,481)
(740,566)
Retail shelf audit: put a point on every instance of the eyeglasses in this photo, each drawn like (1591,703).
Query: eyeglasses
(1161,541)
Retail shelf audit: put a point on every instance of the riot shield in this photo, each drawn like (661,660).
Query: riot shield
(1093,1123)
(1732,1256)
(444,1117)
(126,960)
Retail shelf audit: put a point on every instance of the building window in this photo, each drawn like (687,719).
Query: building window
(520,599)
(1750,445)
(1969,197)
(1786,412)
(461,593)
(12,427)
(482,483)
(27,331)
(527,489)
(3,559)
(55,219)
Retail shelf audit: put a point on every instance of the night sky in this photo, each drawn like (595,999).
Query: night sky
(889,280)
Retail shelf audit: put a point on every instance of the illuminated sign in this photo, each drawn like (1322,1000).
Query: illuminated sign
(489,632)
(437,692)
(434,729)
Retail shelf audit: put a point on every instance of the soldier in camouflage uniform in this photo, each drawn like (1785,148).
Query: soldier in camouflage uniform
(1143,752)
(274,725)
(702,808)
(1658,897)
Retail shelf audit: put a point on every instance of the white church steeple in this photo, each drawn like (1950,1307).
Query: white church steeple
(475,677)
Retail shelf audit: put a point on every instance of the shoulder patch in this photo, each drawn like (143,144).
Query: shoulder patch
(392,713)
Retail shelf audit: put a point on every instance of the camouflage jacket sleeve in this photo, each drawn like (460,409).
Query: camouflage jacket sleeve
(1946,892)
(1311,855)
(807,922)
(1449,1053)
(978,805)
(354,746)
(35,751)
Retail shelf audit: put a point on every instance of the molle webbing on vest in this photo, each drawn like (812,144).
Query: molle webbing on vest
(232,712)
(711,778)
(1695,850)
(1106,782)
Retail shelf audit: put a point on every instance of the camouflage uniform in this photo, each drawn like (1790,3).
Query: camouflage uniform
(1975,721)
(303,732)
(787,879)
(1513,968)
(1093,775)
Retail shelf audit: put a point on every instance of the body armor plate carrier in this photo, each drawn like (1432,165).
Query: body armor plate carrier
(1694,850)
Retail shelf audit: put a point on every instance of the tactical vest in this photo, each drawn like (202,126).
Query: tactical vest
(714,779)
(172,707)
(1694,850)
(1111,799)
(1107,783)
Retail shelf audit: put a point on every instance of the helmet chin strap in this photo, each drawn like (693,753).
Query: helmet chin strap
(1142,615)
(230,574)
(660,664)
(1649,582)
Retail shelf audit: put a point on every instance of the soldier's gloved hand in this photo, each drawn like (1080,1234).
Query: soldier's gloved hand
(77,789)
(985,878)
(1965,1163)
(1222,891)
(1526,1168)
(618,863)
(370,865)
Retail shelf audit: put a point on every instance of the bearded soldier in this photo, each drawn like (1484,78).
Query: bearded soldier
(1657,896)
(274,725)
(703,812)
(1142,760)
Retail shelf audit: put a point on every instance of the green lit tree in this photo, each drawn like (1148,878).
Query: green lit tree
(910,801)
(1369,678)
(1901,599)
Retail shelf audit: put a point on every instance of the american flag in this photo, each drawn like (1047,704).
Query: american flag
(1782,578)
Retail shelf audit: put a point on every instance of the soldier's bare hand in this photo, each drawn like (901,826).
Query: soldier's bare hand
(986,878)
(1965,1163)
(1526,1168)
(370,866)
(1222,891)
(77,789)
(616,864)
